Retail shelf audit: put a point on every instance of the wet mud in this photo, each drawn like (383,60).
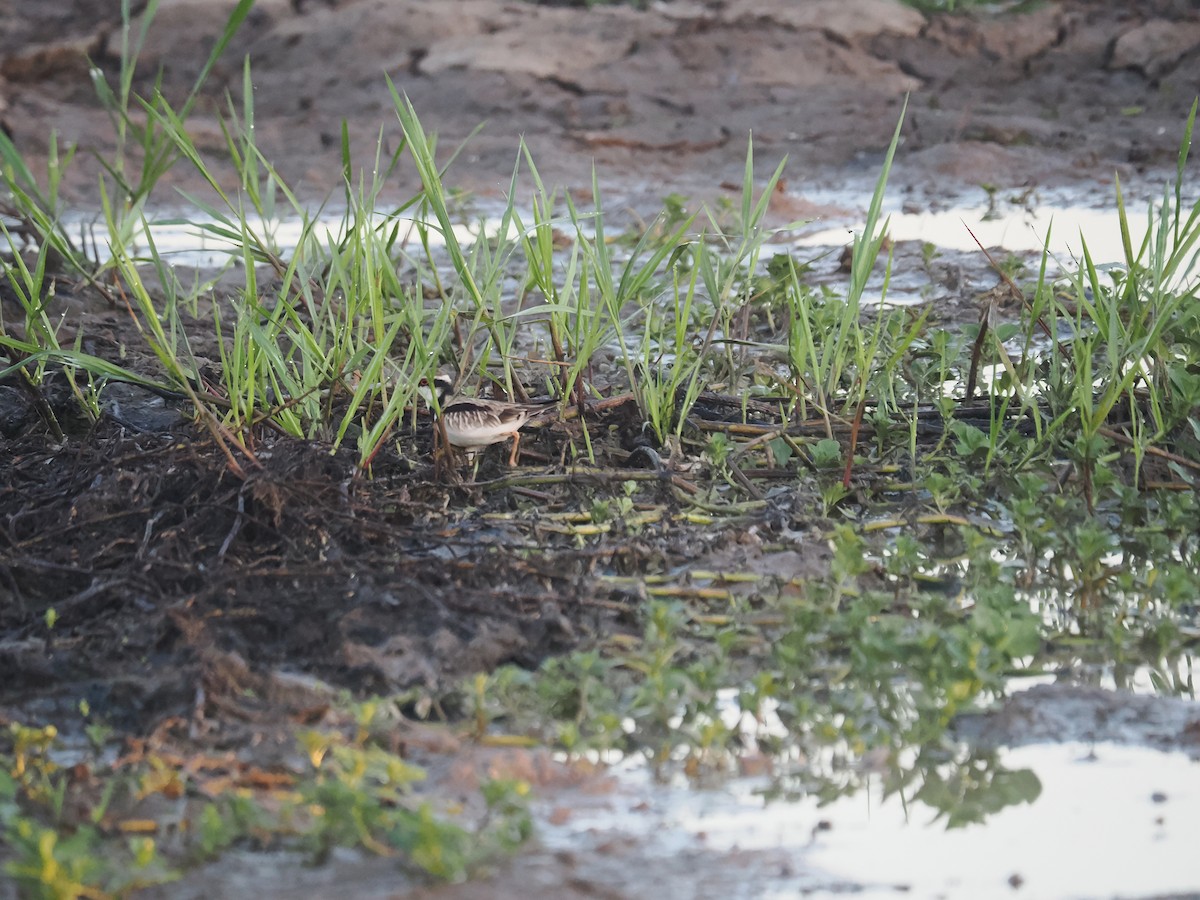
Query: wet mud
(170,578)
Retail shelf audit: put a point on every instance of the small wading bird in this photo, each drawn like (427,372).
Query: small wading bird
(472,423)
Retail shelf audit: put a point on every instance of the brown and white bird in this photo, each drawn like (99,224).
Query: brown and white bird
(472,423)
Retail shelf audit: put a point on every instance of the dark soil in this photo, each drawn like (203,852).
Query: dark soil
(177,572)
(171,577)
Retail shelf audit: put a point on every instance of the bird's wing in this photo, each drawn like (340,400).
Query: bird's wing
(476,412)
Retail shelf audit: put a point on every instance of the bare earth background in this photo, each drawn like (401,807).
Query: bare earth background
(661,99)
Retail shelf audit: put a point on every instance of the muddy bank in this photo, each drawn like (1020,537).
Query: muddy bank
(170,578)
(662,100)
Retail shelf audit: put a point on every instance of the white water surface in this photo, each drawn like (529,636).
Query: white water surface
(1063,230)
(1061,221)
(1112,820)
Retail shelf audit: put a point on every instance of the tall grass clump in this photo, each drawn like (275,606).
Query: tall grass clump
(1124,377)
(839,358)
(144,145)
(145,148)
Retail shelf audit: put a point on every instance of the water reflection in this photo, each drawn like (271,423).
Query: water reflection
(1109,820)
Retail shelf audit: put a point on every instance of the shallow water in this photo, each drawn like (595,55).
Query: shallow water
(1110,820)
(1061,221)
(1062,226)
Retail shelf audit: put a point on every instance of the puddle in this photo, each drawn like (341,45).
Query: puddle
(1110,820)
(188,241)
(1018,225)
(1015,229)
(1068,791)
(1101,808)
(1007,227)
(1061,222)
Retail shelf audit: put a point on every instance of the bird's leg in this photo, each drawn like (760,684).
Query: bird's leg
(514,456)
(443,453)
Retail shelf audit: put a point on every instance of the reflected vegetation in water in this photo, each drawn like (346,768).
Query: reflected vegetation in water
(845,702)
(1109,820)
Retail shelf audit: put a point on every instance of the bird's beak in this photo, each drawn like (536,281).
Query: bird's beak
(436,388)
(425,390)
